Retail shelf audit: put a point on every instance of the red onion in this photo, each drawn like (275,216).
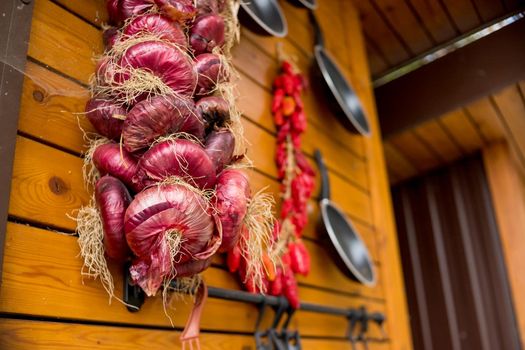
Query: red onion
(110,159)
(106,117)
(207,33)
(210,72)
(194,125)
(156,24)
(109,37)
(165,226)
(232,195)
(193,267)
(130,8)
(163,60)
(219,147)
(177,10)
(104,71)
(182,158)
(209,6)
(113,11)
(112,199)
(152,118)
(214,110)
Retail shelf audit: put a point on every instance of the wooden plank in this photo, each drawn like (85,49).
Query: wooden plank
(400,17)
(489,9)
(50,263)
(92,10)
(398,325)
(434,134)
(375,28)
(486,119)
(398,162)
(463,13)
(508,197)
(434,19)
(463,130)
(377,62)
(45,335)
(55,30)
(415,150)
(512,108)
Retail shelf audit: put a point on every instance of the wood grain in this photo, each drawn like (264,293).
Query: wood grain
(413,148)
(401,166)
(508,196)
(463,14)
(432,132)
(459,125)
(398,324)
(434,18)
(49,262)
(487,120)
(46,335)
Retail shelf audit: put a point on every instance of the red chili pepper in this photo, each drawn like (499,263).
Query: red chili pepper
(300,260)
(288,106)
(276,286)
(277,101)
(291,292)
(233,259)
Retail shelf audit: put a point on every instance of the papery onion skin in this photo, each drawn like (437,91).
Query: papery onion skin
(165,61)
(155,117)
(110,37)
(113,11)
(177,10)
(207,33)
(214,110)
(232,196)
(165,210)
(156,24)
(205,7)
(106,117)
(210,72)
(192,267)
(111,159)
(130,8)
(194,125)
(113,198)
(219,146)
(182,158)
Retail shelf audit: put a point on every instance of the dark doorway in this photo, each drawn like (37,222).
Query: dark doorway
(455,276)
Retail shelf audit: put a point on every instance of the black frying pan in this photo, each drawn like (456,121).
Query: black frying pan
(348,107)
(264,17)
(349,251)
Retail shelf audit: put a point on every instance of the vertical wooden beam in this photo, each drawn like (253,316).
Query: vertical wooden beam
(508,195)
(15,25)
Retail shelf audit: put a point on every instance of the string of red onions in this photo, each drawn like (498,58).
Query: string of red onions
(167,196)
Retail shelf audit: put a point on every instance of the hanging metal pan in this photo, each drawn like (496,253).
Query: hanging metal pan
(309,4)
(349,109)
(264,17)
(348,249)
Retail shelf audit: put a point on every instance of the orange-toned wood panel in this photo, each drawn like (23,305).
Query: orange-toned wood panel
(49,262)
(45,335)
(461,127)
(508,196)
(434,18)
(398,325)
(433,133)
(47,188)
(422,156)
(484,115)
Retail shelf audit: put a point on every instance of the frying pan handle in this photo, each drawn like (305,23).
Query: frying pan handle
(325,182)
(319,39)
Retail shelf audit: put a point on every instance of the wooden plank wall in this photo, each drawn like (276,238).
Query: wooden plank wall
(44,302)
(440,141)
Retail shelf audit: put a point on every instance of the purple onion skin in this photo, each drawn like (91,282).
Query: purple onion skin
(210,72)
(163,60)
(232,195)
(106,117)
(156,24)
(110,159)
(110,37)
(194,125)
(214,110)
(182,158)
(177,10)
(156,117)
(113,198)
(207,33)
(219,147)
(192,267)
(130,8)
(205,7)
(113,12)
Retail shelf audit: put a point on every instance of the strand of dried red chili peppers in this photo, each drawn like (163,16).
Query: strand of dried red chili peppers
(297,181)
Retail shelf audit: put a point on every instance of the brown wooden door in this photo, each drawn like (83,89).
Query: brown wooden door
(456,280)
